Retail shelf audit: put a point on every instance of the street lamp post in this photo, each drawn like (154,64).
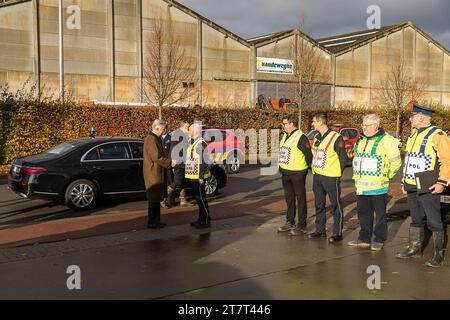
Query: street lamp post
(61,52)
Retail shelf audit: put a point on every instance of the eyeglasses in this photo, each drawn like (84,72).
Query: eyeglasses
(367,125)
(284,124)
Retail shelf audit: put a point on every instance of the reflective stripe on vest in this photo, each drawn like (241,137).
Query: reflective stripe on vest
(326,160)
(420,154)
(291,158)
(193,159)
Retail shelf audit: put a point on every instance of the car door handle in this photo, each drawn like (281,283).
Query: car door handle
(98,168)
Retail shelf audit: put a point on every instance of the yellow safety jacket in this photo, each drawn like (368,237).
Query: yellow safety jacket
(325,158)
(376,161)
(291,158)
(420,154)
(193,160)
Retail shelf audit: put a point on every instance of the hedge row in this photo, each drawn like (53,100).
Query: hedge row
(29,127)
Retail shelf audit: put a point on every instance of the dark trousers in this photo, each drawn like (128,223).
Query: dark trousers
(321,187)
(154,212)
(367,206)
(169,173)
(176,183)
(200,197)
(425,210)
(295,194)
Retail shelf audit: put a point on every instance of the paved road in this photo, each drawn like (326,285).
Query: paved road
(247,184)
(240,258)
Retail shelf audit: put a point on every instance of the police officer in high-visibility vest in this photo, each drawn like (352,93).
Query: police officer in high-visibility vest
(294,161)
(376,162)
(197,171)
(427,150)
(329,160)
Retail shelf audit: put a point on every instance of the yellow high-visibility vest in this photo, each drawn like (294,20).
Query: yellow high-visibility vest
(420,154)
(326,160)
(193,160)
(291,158)
(376,162)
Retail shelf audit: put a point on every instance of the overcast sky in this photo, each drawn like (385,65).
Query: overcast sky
(251,18)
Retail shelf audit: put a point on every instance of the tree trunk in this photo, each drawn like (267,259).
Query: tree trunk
(399,115)
(299,118)
(160,112)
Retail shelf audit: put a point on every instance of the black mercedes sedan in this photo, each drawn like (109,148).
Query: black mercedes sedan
(77,173)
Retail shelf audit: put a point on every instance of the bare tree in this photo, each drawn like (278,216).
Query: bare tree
(398,88)
(308,69)
(169,73)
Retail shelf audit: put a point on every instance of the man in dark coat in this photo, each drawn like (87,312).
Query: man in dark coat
(178,147)
(169,174)
(154,165)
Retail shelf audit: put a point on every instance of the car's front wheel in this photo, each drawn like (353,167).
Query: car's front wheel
(81,195)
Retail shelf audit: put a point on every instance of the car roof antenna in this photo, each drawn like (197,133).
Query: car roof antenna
(92,135)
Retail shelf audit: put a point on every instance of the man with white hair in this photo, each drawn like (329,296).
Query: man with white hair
(197,171)
(376,162)
(155,162)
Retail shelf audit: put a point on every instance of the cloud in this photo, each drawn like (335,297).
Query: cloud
(251,18)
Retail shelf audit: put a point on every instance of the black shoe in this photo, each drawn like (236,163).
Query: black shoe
(335,239)
(298,231)
(316,235)
(199,225)
(286,227)
(158,225)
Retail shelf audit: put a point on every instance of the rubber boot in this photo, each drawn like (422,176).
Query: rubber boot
(415,244)
(438,256)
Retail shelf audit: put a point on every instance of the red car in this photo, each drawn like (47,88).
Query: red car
(225,148)
(350,135)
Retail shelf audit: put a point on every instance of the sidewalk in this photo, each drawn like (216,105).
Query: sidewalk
(77,228)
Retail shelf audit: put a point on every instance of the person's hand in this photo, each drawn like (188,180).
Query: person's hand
(437,188)
(201,181)
(174,163)
(403,190)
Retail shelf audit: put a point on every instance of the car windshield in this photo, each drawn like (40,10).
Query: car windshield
(62,148)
